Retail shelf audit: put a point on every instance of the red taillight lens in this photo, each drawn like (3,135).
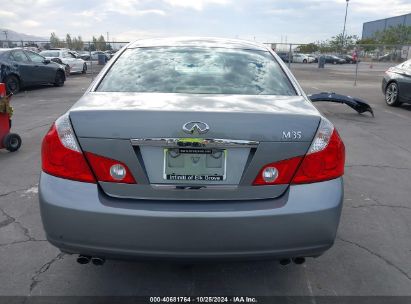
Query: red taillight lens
(323,165)
(324,161)
(286,169)
(62,162)
(105,172)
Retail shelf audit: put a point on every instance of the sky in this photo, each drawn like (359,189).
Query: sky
(298,21)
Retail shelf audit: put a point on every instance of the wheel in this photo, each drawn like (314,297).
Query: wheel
(334,62)
(305,61)
(59,80)
(84,68)
(12,142)
(392,95)
(12,84)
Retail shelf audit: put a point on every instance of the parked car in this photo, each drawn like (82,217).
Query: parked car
(333,59)
(77,65)
(285,56)
(396,84)
(204,149)
(348,59)
(394,56)
(21,68)
(302,58)
(94,56)
(314,57)
(89,59)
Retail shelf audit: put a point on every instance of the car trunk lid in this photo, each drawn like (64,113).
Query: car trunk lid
(138,129)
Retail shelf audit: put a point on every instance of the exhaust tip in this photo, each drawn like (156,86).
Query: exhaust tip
(83,259)
(299,260)
(98,261)
(285,262)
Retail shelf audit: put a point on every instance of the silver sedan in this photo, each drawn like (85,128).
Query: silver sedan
(192,149)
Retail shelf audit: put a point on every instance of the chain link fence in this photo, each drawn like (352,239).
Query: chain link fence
(291,52)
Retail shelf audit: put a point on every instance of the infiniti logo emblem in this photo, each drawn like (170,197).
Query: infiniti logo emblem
(196,126)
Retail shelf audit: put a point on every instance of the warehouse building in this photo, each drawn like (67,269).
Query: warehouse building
(370,28)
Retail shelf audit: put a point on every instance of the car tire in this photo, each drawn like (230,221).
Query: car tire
(12,142)
(12,84)
(59,80)
(84,71)
(334,62)
(392,95)
(305,61)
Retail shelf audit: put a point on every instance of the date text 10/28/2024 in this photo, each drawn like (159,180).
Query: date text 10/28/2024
(238,299)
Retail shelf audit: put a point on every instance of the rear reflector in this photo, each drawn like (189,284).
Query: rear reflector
(109,170)
(285,168)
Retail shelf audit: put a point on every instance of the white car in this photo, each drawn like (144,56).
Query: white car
(302,58)
(77,65)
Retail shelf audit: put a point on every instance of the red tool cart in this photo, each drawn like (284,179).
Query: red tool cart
(9,141)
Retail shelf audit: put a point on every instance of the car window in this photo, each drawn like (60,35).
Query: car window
(35,57)
(50,54)
(197,71)
(19,56)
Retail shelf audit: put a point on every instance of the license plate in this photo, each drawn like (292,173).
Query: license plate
(191,164)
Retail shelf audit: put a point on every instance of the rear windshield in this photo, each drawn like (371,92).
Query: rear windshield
(49,54)
(197,71)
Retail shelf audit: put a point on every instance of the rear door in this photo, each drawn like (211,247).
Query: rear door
(77,62)
(405,82)
(44,72)
(71,61)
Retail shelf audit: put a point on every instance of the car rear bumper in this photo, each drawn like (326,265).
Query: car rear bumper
(78,218)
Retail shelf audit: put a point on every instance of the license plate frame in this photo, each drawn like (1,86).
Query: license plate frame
(198,159)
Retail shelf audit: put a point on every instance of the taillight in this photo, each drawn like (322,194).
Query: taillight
(61,155)
(325,159)
(109,170)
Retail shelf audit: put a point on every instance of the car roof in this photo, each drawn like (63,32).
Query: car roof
(210,42)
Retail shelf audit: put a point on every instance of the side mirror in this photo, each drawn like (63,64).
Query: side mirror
(46,61)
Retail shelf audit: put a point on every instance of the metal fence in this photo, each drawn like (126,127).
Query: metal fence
(364,52)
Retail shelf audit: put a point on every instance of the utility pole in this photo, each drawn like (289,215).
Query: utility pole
(7,40)
(345,21)
(6,33)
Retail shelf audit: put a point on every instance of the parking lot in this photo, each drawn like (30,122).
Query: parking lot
(371,255)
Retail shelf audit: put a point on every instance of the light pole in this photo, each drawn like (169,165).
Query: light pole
(345,21)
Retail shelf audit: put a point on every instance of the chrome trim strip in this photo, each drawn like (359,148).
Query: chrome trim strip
(198,143)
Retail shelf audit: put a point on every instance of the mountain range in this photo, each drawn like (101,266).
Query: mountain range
(16,36)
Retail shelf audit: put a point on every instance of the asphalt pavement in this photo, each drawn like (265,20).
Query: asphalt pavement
(371,255)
